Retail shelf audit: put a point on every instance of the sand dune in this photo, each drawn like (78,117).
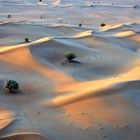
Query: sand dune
(110,5)
(94,97)
(56,2)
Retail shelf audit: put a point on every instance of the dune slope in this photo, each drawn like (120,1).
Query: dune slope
(96,97)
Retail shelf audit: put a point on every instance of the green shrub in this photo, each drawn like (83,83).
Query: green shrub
(11,85)
(70,56)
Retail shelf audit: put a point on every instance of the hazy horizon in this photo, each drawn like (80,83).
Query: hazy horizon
(67,1)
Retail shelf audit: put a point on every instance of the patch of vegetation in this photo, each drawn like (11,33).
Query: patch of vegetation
(80,24)
(135,6)
(27,40)
(11,85)
(70,56)
(8,16)
(103,24)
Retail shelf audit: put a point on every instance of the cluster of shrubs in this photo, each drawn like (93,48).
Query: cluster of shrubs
(12,86)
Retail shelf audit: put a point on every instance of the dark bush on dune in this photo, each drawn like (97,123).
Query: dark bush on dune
(11,85)
(70,56)
(80,25)
(27,40)
(8,16)
(103,24)
(135,6)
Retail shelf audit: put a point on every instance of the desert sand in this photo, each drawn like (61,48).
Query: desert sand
(95,99)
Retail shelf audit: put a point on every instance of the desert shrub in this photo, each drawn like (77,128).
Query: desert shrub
(103,24)
(11,85)
(8,16)
(135,6)
(80,24)
(70,56)
(27,40)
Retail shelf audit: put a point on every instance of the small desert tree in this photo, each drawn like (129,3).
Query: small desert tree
(70,56)
(80,24)
(102,24)
(8,16)
(27,40)
(135,6)
(11,85)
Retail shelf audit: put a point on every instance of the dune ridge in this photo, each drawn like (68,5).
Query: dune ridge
(6,118)
(110,5)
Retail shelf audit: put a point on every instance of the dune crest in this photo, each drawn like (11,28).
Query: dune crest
(6,118)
